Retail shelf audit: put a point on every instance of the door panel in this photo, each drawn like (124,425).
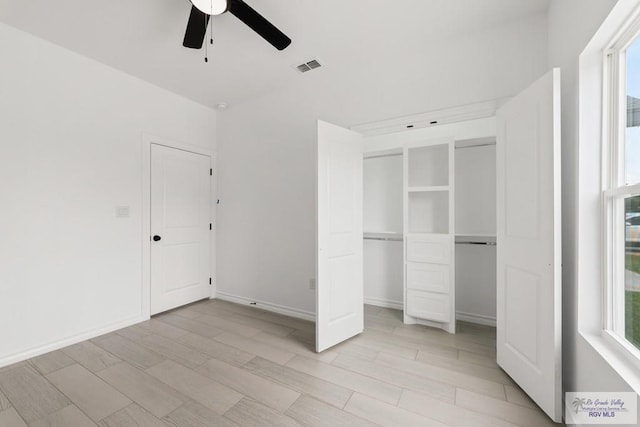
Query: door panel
(180,201)
(339,291)
(529,242)
(522,308)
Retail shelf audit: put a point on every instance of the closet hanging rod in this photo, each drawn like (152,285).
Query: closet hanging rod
(385,239)
(377,156)
(465,242)
(476,145)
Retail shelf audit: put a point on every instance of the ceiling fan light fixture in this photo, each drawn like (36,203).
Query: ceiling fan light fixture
(211,7)
(201,11)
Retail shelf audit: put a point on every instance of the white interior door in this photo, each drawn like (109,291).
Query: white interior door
(529,316)
(339,290)
(180,218)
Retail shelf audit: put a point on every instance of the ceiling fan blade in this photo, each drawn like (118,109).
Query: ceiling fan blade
(259,24)
(196,29)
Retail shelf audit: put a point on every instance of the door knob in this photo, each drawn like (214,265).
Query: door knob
(156,238)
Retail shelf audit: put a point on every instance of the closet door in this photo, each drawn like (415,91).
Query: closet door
(339,291)
(429,234)
(529,316)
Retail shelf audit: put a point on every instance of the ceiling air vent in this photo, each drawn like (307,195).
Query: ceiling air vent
(308,66)
(314,64)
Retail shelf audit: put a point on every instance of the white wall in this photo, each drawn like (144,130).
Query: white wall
(382,194)
(266,236)
(70,152)
(382,205)
(383,273)
(584,369)
(475,185)
(476,283)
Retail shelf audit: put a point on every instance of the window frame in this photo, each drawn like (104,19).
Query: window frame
(614,188)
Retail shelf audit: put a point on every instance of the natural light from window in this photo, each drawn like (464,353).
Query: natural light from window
(632,270)
(632,203)
(632,149)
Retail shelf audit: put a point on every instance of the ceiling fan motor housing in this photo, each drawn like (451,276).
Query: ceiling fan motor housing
(211,7)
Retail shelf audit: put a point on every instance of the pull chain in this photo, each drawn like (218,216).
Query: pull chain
(206,53)
(207,22)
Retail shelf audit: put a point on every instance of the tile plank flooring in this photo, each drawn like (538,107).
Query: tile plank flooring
(215,363)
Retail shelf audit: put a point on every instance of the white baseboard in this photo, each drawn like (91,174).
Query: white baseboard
(280,309)
(384,303)
(56,345)
(476,318)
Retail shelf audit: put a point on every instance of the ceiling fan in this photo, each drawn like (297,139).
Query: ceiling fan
(202,10)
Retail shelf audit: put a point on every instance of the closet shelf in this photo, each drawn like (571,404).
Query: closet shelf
(428,189)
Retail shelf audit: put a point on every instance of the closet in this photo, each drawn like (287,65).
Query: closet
(450,266)
(429,213)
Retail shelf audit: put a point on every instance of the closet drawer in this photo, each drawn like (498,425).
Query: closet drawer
(435,248)
(428,277)
(428,305)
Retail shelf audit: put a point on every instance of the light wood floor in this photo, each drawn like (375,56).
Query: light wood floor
(216,363)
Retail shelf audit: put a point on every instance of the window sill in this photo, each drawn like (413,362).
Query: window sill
(617,358)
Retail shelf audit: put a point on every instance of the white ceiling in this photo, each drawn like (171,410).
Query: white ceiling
(144,37)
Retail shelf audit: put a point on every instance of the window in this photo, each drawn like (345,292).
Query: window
(622,190)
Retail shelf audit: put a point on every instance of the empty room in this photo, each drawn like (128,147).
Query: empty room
(303,213)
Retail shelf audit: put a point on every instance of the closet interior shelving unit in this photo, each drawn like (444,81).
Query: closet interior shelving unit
(429,291)
(422,274)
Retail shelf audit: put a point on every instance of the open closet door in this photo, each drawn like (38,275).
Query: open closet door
(529,317)
(339,290)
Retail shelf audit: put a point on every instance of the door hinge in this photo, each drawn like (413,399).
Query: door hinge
(209,281)
(210,226)
(211,172)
